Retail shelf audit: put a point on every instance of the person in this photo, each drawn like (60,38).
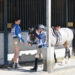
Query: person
(42,44)
(17,39)
(57,33)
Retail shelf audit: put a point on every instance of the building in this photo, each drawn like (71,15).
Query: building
(32,13)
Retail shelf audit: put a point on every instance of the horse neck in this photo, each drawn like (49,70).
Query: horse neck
(53,37)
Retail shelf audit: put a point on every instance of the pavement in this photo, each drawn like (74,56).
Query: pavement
(59,69)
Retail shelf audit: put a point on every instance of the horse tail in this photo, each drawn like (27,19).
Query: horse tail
(73,43)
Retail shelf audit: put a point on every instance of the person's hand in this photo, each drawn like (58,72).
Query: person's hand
(29,44)
(23,43)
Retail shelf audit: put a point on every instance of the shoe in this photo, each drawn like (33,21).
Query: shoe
(13,66)
(34,69)
(16,65)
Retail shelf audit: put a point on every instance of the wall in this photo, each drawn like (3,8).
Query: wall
(1,49)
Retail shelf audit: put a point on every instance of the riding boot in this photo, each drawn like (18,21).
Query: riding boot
(16,65)
(36,65)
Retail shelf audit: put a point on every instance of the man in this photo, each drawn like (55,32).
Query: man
(42,44)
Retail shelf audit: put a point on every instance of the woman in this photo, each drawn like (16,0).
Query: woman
(17,39)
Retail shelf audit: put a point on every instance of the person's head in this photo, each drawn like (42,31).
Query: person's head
(17,21)
(41,28)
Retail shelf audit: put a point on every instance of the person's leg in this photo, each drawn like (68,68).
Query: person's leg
(16,59)
(16,53)
(38,55)
(35,65)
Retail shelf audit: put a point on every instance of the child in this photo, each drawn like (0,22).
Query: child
(17,38)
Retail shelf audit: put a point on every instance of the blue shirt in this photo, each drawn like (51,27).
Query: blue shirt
(42,39)
(16,32)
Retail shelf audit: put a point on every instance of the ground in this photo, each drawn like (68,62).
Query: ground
(59,69)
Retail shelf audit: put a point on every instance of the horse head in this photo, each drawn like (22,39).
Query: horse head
(32,34)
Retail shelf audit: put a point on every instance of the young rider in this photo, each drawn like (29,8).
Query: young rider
(17,39)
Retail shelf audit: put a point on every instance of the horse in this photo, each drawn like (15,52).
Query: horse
(66,39)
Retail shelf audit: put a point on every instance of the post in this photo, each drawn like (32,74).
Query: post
(5,34)
(50,50)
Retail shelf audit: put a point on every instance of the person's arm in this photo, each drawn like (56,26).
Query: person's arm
(20,37)
(37,35)
(43,36)
(18,33)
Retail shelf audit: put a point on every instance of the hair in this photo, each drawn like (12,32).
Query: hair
(16,19)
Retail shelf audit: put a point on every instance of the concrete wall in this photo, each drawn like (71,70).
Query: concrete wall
(1,49)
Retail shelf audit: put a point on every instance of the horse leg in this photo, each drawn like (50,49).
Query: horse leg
(67,50)
(69,56)
(67,53)
(55,57)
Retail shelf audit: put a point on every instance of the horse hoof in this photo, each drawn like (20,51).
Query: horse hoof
(69,61)
(64,62)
